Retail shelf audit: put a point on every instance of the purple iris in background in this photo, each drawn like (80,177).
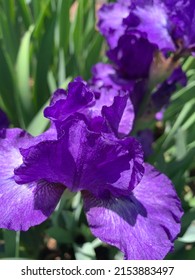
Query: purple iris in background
(169,24)
(128,204)
(4,122)
(146,40)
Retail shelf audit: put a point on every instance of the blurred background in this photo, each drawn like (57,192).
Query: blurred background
(44,44)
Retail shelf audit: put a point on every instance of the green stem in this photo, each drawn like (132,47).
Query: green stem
(17,249)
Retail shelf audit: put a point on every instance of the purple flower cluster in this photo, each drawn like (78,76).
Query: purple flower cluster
(146,40)
(128,203)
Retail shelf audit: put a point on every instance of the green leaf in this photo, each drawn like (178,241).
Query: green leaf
(64,23)
(9,35)
(187,108)
(86,252)
(39,122)
(44,58)
(76,34)
(189,235)
(93,54)
(40,12)
(189,63)
(180,144)
(61,68)
(25,13)
(8,87)
(69,220)
(23,75)
(51,82)
(10,242)
(61,235)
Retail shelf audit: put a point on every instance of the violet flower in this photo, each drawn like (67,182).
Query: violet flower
(128,204)
(146,40)
(111,103)
(169,24)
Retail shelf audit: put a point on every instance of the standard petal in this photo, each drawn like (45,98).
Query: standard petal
(84,160)
(62,106)
(120,115)
(106,76)
(22,206)
(142,225)
(116,108)
(154,22)
(133,55)
(111,22)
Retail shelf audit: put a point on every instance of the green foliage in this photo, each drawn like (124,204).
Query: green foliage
(42,44)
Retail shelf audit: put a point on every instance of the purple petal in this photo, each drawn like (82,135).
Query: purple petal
(115,106)
(106,76)
(112,93)
(154,22)
(22,206)
(58,95)
(120,115)
(142,225)
(111,22)
(133,56)
(84,160)
(167,22)
(78,97)
(4,122)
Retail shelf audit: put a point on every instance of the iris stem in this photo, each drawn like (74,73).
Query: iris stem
(17,249)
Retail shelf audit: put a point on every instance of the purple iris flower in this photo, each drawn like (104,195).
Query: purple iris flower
(146,39)
(93,101)
(169,24)
(4,122)
(128,204)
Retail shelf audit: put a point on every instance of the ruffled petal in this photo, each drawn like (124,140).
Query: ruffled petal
(115,107)
(64,104)
(120,115)
(142,225)
(154,22)
(111,22)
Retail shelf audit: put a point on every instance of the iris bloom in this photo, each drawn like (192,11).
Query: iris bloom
(169,24)
(146,40)
(128,204)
